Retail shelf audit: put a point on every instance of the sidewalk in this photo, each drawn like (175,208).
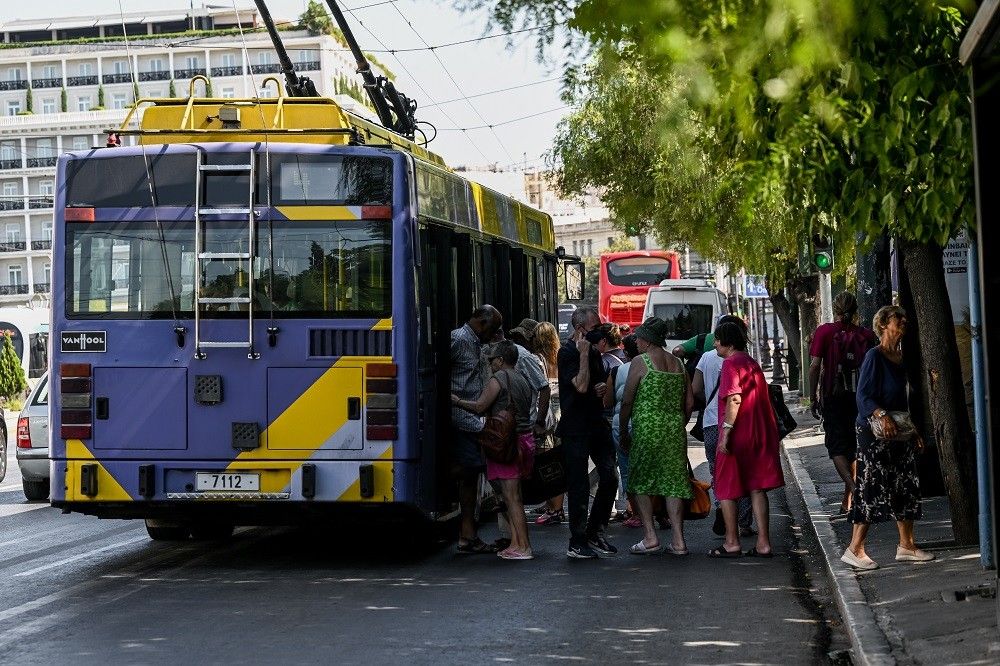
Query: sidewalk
(941,612)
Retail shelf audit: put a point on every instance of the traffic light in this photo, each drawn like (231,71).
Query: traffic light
(822,253)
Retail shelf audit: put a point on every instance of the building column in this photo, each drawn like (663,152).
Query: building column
(24,161)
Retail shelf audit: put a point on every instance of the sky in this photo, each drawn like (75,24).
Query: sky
(478,67)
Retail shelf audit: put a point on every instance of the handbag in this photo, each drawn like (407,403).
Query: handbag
(548,476)
(905,430)
(700,504)
(499,434)
(782,417)
(698,431)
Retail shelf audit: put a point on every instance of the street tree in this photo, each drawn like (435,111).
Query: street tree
(12,381)
(315,19)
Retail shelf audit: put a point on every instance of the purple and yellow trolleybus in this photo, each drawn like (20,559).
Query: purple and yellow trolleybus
(251,315)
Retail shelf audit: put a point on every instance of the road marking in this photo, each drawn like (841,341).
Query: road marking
(11,487)
(75,558)
(7,510)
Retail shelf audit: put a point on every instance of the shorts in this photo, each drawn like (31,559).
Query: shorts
(466,452)
(839,414)
(520,468)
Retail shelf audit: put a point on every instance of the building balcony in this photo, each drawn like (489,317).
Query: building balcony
(42,287)
(154,76)
(81,80)
(46,83)
(227,71)
(13,289)
(311,66)
(40,202)
(41,245)
(121,77)
(36,162)
(188,73)
(11,164)
(12,246)
(266,69)
(12,204)
(19,84)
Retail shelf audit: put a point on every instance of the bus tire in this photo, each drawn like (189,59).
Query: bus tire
(163,531)
(35,490)
(211,531)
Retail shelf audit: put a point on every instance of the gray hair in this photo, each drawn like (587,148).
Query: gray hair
(485,313)
(581,314)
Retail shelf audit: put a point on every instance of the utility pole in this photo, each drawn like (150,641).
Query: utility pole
(825,298)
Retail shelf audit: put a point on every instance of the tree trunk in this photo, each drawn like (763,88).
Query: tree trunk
(789,320)
(941,376)
(805,290)
(874,279)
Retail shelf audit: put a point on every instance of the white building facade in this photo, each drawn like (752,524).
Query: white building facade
(73,79)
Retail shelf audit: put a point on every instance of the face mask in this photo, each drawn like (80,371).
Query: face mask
(594,337)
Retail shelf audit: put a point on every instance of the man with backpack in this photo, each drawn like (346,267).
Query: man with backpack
(836,352)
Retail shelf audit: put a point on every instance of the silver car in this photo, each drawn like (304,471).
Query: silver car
(33,442)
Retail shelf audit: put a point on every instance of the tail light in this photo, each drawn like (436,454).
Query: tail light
(76,397)
(23,433)
(381,413)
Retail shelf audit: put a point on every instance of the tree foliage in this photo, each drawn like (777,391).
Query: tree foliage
(12,381)
(315,19)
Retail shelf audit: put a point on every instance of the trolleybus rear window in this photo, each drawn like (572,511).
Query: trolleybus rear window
(320,268)
(638,271)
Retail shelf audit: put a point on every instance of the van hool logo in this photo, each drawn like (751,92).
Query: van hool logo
(83,341)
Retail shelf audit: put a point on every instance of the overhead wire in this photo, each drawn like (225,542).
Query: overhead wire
(505,122)
(416,81)
(458,87)
(494,92)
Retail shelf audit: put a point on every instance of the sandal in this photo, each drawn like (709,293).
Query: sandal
(477,547)
(514,554)
(722,553)
(633,522)
(640,548)
(753,552)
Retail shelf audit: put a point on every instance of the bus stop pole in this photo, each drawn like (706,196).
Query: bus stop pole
(979,409)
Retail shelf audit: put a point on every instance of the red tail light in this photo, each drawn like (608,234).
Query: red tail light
(78,215)
(76,398)
(376,212)
(23,433)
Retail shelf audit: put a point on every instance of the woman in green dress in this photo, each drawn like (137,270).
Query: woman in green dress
(658,400)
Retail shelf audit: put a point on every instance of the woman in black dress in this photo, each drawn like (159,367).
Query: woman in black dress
(887,485)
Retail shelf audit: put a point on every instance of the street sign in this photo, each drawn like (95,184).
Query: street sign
(754,286)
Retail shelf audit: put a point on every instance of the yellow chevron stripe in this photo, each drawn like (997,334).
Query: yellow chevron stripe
(383,482)
(321,212)
(383,325)
(108,488)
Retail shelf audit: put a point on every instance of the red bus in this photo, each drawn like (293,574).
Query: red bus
(626,278)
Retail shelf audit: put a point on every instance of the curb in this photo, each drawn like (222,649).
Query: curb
(869,646)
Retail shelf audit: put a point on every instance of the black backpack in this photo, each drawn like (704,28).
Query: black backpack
(691,363)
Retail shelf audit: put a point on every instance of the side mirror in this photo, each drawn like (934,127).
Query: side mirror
(573,275)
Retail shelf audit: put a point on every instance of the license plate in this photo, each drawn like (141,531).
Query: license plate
(208,481)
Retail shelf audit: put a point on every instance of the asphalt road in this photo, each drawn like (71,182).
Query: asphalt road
(75,589)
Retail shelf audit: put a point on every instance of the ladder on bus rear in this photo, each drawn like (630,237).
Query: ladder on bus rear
(245,214)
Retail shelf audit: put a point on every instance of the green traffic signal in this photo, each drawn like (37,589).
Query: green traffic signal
(822,254)
(823,261)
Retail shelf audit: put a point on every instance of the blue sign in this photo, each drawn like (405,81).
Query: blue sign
(754,286)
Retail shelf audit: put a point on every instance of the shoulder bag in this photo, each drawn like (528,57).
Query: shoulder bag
(499,434)
(700,504)
(698,431)
(905,430)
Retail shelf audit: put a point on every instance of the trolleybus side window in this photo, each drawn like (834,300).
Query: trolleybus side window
(331,180)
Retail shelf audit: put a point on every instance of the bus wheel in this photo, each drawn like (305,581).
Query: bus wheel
(159,530)
(211,531)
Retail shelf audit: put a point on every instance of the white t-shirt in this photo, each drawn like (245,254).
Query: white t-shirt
(710,365)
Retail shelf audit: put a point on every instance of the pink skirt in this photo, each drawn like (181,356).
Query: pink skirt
(520,468)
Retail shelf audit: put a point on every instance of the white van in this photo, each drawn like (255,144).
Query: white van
(690,307)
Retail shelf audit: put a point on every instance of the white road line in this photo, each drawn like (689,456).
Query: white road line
(14,509)
(10,487)
(75,558)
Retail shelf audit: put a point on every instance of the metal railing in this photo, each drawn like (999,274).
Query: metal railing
(158,75)
(40,202)
(12,204)
(12,246)
(188,73)
(34,162)
(274,68)
(11,164)
(310,66)
(13,289)
(41,244)
(228,71)
(19,84)
(46,83)
(42,287)
(90,80)
(122,77)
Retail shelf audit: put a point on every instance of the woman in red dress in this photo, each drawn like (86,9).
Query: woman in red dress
(747,460)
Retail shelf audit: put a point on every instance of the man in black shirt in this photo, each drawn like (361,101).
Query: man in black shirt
(585,434)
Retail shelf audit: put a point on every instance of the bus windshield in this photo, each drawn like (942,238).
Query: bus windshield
(684,320)
(117,270)
(638,271)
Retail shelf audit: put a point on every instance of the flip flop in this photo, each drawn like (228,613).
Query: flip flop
(676,553)
(753,553)
(513,554)
(641,549)
(477,547)
(722,553)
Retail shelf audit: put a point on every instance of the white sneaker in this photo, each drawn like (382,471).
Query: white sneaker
(866,563)
(915,555)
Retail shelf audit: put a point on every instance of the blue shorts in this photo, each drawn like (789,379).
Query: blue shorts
(466,451)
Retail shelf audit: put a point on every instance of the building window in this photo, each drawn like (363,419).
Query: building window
(83,103)
(47,232)
(156,65)
(229,92)
(12,232)
(264,58)
(50,72)
(13,107)
(590,247)
(10,190)
(575,253)
(43,148)
(154,93)
(81,142)
(191,62)
(47,272)
(8,152)
(229,60)
(14,274)
(119,101)
(48,106)
(85,69)
(14,74)
(46,188)
(121,67)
